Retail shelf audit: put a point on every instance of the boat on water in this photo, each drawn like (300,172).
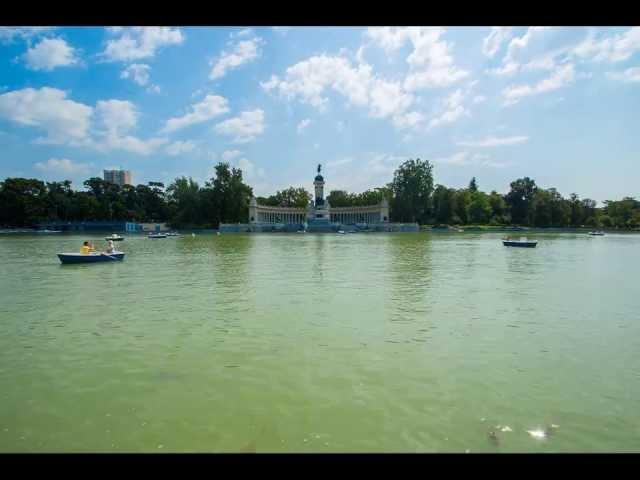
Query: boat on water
(67,258)
(341,232)
(172,234)
(597,233)
(507,242)
(48,231)
(114,237)
(157,235)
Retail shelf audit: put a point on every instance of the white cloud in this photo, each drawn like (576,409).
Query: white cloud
(389,38)
(336,163)
(630,75)
(50,53)
(464,158)
(8,34)
(409,120)
(64,120)
(430,63)
(303,124)
(479,99)
(229,155)
(493,42)
(180,147)
(72,123)
(340,126)
(62,167)
(249,170)
(242,52)
(245,32)
(494,164)
(460,158)
(209,107)
(153,89)
(510,62)
(454,110)
(253,175)
(310,80)
(136,43)
(374,170)
(117,118)
(243,128)
(137,72)
(495,141)
(281,30)
(564,75)
(611,49)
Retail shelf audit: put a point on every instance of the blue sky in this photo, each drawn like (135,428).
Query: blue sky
(557,104)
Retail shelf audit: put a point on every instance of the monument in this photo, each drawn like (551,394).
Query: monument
(319,216)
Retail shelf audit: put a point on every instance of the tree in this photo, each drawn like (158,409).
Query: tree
(520,199)
(499,214)
(293,197)
(444,204)
(577,214)
(412,188)
(473,186)
(463,202)
(227,196)
(622,213)
(479,208)
(185,202)
(22,201)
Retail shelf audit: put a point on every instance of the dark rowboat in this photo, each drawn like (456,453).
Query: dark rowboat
(66,258)
(519,243)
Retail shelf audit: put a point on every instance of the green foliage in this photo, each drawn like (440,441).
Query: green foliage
(340,198)
(520,199)
(412,187)
(297,197)
(479,208)
(225,199)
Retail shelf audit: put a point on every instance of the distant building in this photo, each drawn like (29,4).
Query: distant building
(119,177)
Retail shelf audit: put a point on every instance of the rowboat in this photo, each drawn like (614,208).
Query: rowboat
(519,243)
(115,237)
(66,258)
(597,234)
(156,235)
(172,234)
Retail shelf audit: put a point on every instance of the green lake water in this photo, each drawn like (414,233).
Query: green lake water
(419,342)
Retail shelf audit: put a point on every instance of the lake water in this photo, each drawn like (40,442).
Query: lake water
(321,343)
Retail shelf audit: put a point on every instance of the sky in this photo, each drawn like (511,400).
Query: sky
(560,105)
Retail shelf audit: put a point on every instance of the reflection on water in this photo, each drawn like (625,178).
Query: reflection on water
(366,342)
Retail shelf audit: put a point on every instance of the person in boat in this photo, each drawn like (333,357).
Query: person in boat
(86,248)
(110,247)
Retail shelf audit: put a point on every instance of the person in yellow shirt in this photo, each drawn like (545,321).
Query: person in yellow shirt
(87,248)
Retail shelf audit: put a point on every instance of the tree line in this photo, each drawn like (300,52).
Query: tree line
(412,197)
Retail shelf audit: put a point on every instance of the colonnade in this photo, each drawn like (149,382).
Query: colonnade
(281,217)
(348,218)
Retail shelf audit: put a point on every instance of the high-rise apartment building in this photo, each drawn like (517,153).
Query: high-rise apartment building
(119,177)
